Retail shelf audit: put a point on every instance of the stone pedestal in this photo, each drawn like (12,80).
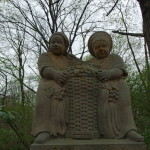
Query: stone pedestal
(94,144)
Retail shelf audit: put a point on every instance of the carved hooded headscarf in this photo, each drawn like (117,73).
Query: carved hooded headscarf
(102,36)
(64,37)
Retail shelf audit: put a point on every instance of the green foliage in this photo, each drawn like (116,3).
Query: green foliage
(9,140)
(140,104)
(146,134)
(9,116)
(15,129)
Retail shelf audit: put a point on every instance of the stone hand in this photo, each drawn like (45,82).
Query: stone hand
(60,77)
(104,75)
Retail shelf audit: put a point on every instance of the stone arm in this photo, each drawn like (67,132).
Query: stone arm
(47,70)
(115,73)
(114,69)
(53,74)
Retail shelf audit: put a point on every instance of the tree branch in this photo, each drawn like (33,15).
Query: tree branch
(132,51)
(78,23)
(129,34)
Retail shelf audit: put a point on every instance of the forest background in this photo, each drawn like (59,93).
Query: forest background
(25,29)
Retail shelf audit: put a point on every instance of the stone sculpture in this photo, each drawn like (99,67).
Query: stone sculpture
(115,117)
(83,100)
(49,117)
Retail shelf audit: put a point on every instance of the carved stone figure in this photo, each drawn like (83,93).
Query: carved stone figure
(83,100)
(115,118)
(49,118)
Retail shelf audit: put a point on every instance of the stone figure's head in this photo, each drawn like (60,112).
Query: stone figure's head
(100,44)
(58,43)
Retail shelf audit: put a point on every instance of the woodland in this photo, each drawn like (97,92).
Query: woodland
(25,30)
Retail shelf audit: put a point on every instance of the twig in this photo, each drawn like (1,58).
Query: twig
(17,131)
(112,8)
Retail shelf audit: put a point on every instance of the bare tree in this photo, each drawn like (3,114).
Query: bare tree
(42,18)
(3,87)
(15,66)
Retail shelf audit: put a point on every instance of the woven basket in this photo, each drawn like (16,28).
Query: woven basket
(82,101)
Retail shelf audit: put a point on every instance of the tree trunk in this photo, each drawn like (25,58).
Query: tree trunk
(145,9)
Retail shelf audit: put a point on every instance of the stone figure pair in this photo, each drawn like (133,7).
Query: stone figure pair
(83,100)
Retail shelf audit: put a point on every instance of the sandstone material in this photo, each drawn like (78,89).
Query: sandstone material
(49,110)
(94,144)
(84,100)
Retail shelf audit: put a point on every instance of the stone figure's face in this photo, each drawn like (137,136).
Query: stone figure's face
(101,49)
(57,45)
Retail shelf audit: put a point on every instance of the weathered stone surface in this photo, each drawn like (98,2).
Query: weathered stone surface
(83,100)
(94,144)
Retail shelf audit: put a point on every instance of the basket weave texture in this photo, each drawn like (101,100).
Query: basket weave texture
(82,101)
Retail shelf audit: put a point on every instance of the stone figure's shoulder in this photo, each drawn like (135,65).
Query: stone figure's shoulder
(93,59)
(116,57)
(44,58)
(45,55)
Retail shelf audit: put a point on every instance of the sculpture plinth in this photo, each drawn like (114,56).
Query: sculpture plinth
(95,144)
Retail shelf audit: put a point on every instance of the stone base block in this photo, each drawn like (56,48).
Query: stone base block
(94,144)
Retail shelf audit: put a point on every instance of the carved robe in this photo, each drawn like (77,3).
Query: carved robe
(115,118)
(50,108)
